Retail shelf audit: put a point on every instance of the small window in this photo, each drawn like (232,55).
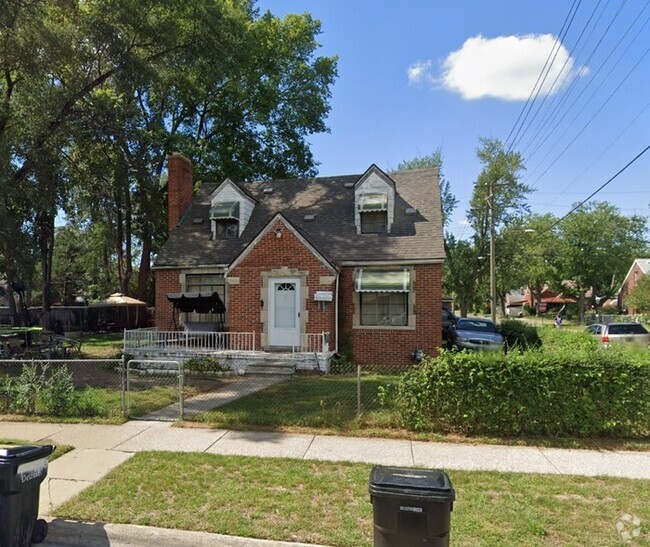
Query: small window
(384,309)
(226,228)
(374,222)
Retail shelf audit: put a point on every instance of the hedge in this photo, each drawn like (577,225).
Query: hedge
(579,390)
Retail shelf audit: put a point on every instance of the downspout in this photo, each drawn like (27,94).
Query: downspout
(336,313)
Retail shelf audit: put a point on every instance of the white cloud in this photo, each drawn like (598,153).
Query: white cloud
(506,67)
(419,72)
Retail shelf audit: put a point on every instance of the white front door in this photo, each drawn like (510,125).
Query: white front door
(284,312)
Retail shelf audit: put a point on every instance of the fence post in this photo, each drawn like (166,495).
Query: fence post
(181,388)
(128,391)
(358,389)
(123,385)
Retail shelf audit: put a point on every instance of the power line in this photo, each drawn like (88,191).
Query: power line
(542,76)
(601,154)
(600,188)
(604,80)
(561,71)
(593,117)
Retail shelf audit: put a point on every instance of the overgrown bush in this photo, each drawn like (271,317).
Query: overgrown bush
(518,334)
(28,387)
(565,391)
(41,389)
(59,397)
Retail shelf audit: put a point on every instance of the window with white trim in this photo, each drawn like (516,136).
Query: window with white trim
(383,297)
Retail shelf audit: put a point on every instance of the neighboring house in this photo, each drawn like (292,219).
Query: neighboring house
(358,257)
(639,268)
(550,301)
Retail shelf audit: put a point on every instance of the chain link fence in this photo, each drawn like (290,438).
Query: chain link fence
(63,388)
(356,397)
(110,390)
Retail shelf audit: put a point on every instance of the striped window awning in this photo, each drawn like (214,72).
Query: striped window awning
(372,202)
(383,281)
(224,210)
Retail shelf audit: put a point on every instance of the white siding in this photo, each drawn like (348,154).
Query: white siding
(228,192)
(374,184)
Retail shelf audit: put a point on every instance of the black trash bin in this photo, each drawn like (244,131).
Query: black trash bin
(22,470)
(411,506)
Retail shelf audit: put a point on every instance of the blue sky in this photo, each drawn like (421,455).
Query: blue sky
(418,75)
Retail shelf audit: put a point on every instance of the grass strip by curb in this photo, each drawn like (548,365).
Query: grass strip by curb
(328,502)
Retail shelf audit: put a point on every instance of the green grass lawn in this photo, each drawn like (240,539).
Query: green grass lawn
(102,345)
(328,405)
(324,403)
(328,503)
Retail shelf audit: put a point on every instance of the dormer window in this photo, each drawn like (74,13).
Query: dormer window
(373,211)
(225,219)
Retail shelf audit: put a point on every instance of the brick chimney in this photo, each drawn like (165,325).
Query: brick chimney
(179,188)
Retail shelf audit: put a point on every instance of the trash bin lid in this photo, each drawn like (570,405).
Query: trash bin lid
(428,483)
(16,453)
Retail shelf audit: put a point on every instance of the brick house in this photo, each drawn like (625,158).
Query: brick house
(357,258)
(639,268)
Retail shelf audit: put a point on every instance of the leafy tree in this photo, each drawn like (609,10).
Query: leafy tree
(598,244)
(498,197)
(528,251)
(104,90)
(639,297)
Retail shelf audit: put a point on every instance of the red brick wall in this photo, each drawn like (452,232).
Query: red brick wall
(166,281)
(381,346)
(629,285)
(179,188)
(272,253)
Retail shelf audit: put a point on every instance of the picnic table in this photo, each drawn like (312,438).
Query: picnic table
(55,344)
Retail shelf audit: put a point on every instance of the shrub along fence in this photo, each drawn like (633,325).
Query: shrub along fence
(69,389)
(574,391)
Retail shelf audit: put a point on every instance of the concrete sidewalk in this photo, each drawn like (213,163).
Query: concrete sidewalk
(101,448)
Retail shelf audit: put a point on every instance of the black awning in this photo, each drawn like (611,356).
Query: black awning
(197,302)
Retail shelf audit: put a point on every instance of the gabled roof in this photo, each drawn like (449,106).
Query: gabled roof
(289,226)
(235,187)
(373,169)
(331,230)
(644,266)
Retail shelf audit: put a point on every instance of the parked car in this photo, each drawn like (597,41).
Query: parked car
(448,321)
(476,333)
(620,332)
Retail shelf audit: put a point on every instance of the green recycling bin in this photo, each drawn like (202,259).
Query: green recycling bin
(22,470)
(411,506)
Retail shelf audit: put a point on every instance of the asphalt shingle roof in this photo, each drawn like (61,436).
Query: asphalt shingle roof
(413,237)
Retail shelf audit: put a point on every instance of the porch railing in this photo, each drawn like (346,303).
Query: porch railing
(313,342)
(158,340)
(154,340)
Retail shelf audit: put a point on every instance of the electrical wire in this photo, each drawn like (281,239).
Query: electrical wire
(620,171)
(553,114)
(566,148)
(542,76)
(586,103)
(564,65)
